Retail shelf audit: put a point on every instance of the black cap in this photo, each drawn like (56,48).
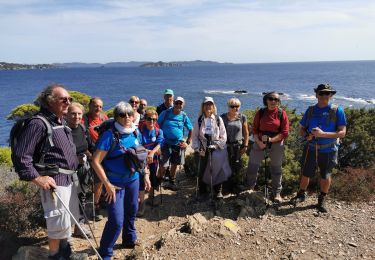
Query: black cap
(324,88)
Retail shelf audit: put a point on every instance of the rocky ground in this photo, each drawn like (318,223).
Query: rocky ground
(242,228)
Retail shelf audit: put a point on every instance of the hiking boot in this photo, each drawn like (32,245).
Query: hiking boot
(78,233)
(300,197)
(141,210)
(277,198)
(322,207)
(98,216)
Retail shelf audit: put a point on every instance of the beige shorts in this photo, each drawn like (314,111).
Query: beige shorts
(58,220)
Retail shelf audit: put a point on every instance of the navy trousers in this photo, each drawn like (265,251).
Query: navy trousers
(121,214)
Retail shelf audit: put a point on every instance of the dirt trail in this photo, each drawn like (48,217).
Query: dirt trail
(182,228)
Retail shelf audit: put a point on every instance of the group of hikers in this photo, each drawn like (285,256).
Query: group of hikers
(61,146)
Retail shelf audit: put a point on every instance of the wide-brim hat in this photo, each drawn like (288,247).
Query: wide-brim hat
(208,99)
(324,88)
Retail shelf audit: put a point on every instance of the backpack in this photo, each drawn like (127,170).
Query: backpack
(19,127)
(279,115)
(135,158)
(331,118)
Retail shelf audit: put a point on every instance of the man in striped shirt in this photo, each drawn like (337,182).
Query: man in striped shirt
(54,101)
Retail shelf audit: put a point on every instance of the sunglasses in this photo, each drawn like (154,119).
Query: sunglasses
(66,100)
(143,105)
(178,103)
(151,119)
(273,99)
(133,101)
(324,93)
(123,115)
(234,106)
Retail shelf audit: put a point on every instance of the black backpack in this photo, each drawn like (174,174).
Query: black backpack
(19,127)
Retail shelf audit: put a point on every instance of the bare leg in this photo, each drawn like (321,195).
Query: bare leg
(173,171)
(304,183)
(53,245)
(325,184)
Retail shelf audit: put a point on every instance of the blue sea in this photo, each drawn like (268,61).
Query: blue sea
(354,82)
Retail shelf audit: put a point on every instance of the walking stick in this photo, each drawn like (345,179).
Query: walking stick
(197,178)
(85,216)
(54,193)
(266,175)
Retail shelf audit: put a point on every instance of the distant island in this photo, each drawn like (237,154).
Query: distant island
(18,66)
(142,64)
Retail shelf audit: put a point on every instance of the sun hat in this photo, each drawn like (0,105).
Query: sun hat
(168,92)
(180,99)
(208,99)
(324,88)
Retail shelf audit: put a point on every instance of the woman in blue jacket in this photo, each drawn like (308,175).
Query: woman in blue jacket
(121,184)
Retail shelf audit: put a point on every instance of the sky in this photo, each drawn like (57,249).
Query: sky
(239,31)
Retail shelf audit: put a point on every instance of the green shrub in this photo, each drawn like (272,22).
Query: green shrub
(109,112)
(358,147)
(22,111)
(5,158)
(81,98)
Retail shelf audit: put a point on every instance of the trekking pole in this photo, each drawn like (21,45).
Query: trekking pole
(85,216)
(93,204)
(197,178)
(265,175)
(54,193)
(210,165)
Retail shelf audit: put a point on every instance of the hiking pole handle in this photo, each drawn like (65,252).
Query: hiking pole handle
(54,193)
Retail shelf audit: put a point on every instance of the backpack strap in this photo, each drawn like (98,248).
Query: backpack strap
(48,142)
(310,111)
(280,115)
(332,113)
(86,120)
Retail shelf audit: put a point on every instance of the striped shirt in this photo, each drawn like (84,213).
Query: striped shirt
(27,151)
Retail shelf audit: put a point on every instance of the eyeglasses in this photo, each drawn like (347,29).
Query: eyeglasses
(66,100)
(234,106)
(123,115)
(273,99)
(134,101)
(150,119)
(324,93)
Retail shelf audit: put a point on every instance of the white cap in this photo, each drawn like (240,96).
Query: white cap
(208,99)
(180,99)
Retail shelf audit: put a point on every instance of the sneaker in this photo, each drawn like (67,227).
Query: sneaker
(141,210)
(277,198)
(98,216)
(322,207)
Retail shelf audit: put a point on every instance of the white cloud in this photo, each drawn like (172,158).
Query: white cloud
(238,31)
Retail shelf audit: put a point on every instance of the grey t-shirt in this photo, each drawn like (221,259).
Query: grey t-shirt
(234,128)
